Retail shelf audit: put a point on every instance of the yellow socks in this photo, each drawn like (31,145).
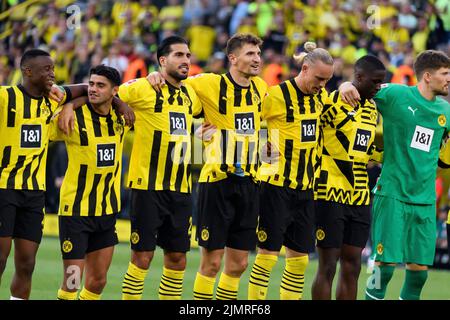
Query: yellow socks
(87,295)
(171,285)
(260,275)
(293,280)
(227,288)
(133,283)
(65,295)
(203,287)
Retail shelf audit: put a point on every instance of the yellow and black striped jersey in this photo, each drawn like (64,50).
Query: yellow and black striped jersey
(24,132)
(236,112)
(161,154)
(91,186)
(292,122)
(346,145)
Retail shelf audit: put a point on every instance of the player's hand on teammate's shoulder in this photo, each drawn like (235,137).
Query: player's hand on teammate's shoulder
(123,109)
(206,131)
(349,94)
(66,118)
(156,80)
(57,93)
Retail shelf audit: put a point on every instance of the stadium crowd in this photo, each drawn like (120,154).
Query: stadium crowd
(125,35)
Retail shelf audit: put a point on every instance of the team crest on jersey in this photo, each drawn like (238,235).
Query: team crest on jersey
(380,249)
(186,101)
(373,116)
(442,120)
(319,107)
(134,238)
(320,234)
(205,234)
(262,236)
(67,246)
(45,110)
(118,126)
(256,99)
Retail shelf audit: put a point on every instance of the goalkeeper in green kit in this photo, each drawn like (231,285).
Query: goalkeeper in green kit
(415,124)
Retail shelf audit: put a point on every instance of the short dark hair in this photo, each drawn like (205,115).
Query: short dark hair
(31,54)
(430,60)
(369,63)
(164,47)
(238,40)
(108,72)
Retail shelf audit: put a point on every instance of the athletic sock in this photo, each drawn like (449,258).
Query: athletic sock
(171,284)
(260,276)
(414,282)
(377,283)
(204,287)
(293,280)
(133,283)
(227,288)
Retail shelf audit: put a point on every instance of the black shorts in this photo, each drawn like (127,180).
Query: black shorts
(286,218)
(22,214)
(228,214)
(338,224)
(162,218)
(81,235)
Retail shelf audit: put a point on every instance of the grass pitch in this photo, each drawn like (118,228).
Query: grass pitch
(48,276)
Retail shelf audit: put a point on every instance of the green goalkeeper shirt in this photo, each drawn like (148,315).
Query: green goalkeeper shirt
(413,130)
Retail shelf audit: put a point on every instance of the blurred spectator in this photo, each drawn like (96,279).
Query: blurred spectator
(137,68)
(239,13)
(115,59)
(273,71)
(263,10)
(171,15)
(404,74)
(201,38)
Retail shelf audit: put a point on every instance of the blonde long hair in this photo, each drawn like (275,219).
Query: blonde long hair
(313,54)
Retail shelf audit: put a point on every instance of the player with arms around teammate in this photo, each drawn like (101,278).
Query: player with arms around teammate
(90,193)
(25,116)
(341,187)
(160,171)
(415,121)
(228,194)
(292,111)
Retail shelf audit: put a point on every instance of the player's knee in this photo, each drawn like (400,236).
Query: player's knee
(237,268)
(176,261)
(25,266)
(210,268)
(351,267)
(142,260)
(328,270)
(96,284)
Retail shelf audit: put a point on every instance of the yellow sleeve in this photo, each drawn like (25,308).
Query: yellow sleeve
(197,106)
(376,154)
(327,100)
(127,90)
(55,134)
(271,104)
(201,81)
(444,156)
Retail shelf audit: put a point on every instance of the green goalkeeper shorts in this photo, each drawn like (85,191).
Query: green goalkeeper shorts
(403,232)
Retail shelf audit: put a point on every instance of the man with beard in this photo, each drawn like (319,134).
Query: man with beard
(159,173)
(415,121)
(228,192)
